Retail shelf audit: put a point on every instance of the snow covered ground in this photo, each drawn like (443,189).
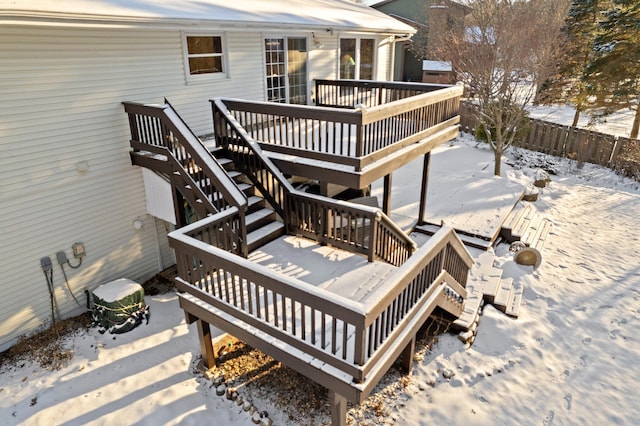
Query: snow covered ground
(571,358)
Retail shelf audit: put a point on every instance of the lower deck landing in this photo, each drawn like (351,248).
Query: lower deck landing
(338,271)
(476,208)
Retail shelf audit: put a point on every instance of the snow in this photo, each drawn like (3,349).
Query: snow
(116,290)
(570,358)
(618,123)
(329,14)
(436,66)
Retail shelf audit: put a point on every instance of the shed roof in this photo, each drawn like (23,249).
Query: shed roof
(436,66)
(331,15)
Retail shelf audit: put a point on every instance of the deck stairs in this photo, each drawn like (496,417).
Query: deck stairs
(525,224)
(263,224)
(486,285)
(472,241)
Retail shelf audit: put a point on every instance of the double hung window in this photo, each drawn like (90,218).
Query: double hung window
(205,55)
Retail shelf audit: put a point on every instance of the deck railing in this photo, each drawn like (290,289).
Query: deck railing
(350,226)
(158,129)
(367,93)
(393,116)
(351,336)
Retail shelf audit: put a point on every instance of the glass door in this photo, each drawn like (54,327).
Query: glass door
(286,69)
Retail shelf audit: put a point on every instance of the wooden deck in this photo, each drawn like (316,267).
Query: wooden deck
(476,208)
(338,271)
(340,315)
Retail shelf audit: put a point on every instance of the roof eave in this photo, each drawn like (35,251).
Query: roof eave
(84,20)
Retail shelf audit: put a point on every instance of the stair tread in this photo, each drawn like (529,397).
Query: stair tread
(503,294)
(529,234)
(234,174)
(475,242)
(543,234)
(520,210)
(518,221)
(253,200)
(264,231)
(520,229)
(515,214)
(258,215)
(490,288)
(515,300)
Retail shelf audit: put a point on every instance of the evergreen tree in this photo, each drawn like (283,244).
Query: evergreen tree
(613,74)
(579,33)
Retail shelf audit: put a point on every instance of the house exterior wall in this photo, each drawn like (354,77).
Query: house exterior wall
(440,16)
(65,171)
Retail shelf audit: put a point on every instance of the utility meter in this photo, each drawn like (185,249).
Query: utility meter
(78,250)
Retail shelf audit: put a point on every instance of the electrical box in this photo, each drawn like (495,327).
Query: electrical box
(61,257)
(46,264)
(78,250)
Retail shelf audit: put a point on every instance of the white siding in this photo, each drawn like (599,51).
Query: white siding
(323,60)
(384,64)
(61,92)
(166,255)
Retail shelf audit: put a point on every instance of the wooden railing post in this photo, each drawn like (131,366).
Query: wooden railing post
(373,237)
(424,187)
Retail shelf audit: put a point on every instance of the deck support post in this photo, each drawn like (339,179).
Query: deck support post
(206,344)
(338,409)
(407,356)
(386,199)
(423,190)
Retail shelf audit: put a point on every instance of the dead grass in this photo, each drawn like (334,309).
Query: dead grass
(47,347)
(255,375)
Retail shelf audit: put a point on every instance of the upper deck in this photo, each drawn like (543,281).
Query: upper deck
(358,132)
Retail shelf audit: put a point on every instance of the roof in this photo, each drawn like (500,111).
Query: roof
(436,66)
(271,14)
(378,3)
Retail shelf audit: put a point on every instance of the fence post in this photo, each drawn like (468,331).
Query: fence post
(617,146)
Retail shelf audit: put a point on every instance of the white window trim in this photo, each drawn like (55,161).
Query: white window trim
(376,46)
(264,63)
(197,78)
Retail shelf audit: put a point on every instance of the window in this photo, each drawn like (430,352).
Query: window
(205,55)
(357,58)
(286,69)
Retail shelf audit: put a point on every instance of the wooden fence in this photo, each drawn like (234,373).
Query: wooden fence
(585,146)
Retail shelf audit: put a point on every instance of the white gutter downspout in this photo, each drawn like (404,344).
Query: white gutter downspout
(393,53)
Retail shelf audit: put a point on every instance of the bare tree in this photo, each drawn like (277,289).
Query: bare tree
(499,58)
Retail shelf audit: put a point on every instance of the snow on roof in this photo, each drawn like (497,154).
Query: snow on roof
(281,14)
(436,66)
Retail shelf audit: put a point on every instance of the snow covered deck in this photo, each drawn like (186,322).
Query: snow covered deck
(338,271)
(354,133)
(476,208)
(349,317)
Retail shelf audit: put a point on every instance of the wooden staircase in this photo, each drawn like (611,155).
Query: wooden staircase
(525,224)
(486,285)
(263,224)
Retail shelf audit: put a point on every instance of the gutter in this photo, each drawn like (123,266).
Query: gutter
(122,22)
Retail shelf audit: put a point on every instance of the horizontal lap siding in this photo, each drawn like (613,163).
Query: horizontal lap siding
(61,92)
(385,59)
